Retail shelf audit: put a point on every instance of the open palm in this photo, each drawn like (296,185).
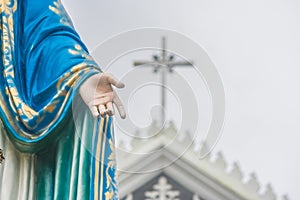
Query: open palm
(98,94)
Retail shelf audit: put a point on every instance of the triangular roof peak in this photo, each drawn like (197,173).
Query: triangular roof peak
(174,154)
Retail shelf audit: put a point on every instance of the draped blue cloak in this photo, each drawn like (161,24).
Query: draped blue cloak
(43,62)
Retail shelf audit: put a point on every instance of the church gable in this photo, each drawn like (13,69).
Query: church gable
(185,176)
(162,187)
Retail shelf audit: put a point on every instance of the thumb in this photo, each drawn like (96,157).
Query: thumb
(114,81)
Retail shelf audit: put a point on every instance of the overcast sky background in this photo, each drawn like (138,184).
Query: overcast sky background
(255,45)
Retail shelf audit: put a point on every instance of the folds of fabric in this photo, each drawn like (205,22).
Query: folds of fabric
(79,165)
(17,173)
(43,60)
(48,156)
(89,171)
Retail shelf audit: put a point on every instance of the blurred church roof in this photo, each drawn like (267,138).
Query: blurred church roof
(167,163)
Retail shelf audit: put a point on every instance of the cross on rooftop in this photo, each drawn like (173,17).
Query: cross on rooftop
(163,63)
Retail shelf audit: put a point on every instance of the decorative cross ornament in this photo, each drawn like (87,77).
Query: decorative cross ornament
(162,191)
(163,63)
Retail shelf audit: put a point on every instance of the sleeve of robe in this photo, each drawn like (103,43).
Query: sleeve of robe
(43,62)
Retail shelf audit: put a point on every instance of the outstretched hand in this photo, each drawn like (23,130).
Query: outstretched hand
(98,94)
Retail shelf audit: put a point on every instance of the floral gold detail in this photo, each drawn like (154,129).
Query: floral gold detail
(14,107)
(79,51)
(58,9)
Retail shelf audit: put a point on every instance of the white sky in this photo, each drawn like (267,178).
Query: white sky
(255,45)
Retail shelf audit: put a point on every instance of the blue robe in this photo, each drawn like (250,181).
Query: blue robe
(43,63)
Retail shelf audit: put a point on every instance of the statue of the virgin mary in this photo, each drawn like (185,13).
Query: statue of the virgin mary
(44,66)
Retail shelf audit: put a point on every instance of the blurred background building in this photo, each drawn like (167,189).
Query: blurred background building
(164,170)
(255,47)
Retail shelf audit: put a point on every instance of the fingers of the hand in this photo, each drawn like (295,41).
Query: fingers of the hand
(119,106)
(94,111)
(110,109)
(102,110)
(114,81)
(121,111)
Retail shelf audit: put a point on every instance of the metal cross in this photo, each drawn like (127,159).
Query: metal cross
(163,63)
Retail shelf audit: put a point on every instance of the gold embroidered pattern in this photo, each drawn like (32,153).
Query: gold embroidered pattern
(79,51)
(7,8)
(23,113)
(105,185)
(58,9)
(111,165)
(7,5)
